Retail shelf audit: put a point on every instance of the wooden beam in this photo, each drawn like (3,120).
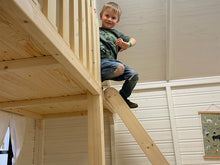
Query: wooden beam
(23,113)
(134,126)
(96,148)
(69,114)
(76,99)
(27,15)
(28,63)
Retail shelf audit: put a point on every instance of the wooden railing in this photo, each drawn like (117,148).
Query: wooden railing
(77,23)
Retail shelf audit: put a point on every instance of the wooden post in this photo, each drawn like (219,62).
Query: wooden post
(112,132)
(74,27)
(82,33)
(50,10)
(88,36)
(94,40)
(64,20)
(95,130)
(39,142)
(134,126)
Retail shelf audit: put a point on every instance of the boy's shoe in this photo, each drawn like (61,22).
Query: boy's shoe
(131,104)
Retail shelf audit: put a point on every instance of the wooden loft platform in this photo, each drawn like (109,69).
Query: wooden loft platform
(48,71)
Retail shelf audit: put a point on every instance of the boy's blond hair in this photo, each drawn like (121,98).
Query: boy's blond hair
(114,6)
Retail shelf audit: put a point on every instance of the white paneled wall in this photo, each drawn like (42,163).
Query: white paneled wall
(66,141)
(154,115)
(187,102)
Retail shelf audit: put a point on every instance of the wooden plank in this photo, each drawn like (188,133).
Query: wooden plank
(96,148)
(23,113)
(134,126)
(88,36)
(64,17)
(74,27)
(201,112)
(76,99)
(68,114)
(41,30)
(52,12)
(28,63)
(39,142)
(94,47)
(112,134)
(98,77)
(82,33)
(45,8)
(211,157)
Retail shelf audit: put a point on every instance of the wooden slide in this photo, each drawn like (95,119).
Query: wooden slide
(116,103)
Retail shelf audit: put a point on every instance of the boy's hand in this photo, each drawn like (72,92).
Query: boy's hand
(122,44)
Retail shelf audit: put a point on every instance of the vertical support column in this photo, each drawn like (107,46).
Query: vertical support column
(39,142)
(96,147)
(112,132)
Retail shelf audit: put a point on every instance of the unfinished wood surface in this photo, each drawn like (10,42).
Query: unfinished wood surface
(95,130)
(94,48)
(74,27)
(39,142)
(82,33)
(98,71)
(64,17)
(15,43)
(134,126)
(32,22)
(33,78)
(89,36)
(52,12)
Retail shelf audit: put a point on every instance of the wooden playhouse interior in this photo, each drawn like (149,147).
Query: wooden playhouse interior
(50,68)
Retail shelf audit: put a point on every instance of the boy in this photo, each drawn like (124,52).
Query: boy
(112,42)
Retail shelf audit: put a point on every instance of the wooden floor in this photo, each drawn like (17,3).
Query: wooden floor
(40,76)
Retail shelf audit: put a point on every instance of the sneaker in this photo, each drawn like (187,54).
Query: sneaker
(131,104)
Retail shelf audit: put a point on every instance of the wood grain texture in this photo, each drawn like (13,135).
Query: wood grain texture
(134,126)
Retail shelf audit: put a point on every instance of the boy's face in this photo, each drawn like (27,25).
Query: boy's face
(109,18)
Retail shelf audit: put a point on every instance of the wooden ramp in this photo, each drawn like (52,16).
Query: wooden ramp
(116,104)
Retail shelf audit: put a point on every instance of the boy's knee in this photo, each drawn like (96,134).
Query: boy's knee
(134,77)
(120,70)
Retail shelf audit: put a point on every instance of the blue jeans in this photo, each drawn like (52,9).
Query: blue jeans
(108,66)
